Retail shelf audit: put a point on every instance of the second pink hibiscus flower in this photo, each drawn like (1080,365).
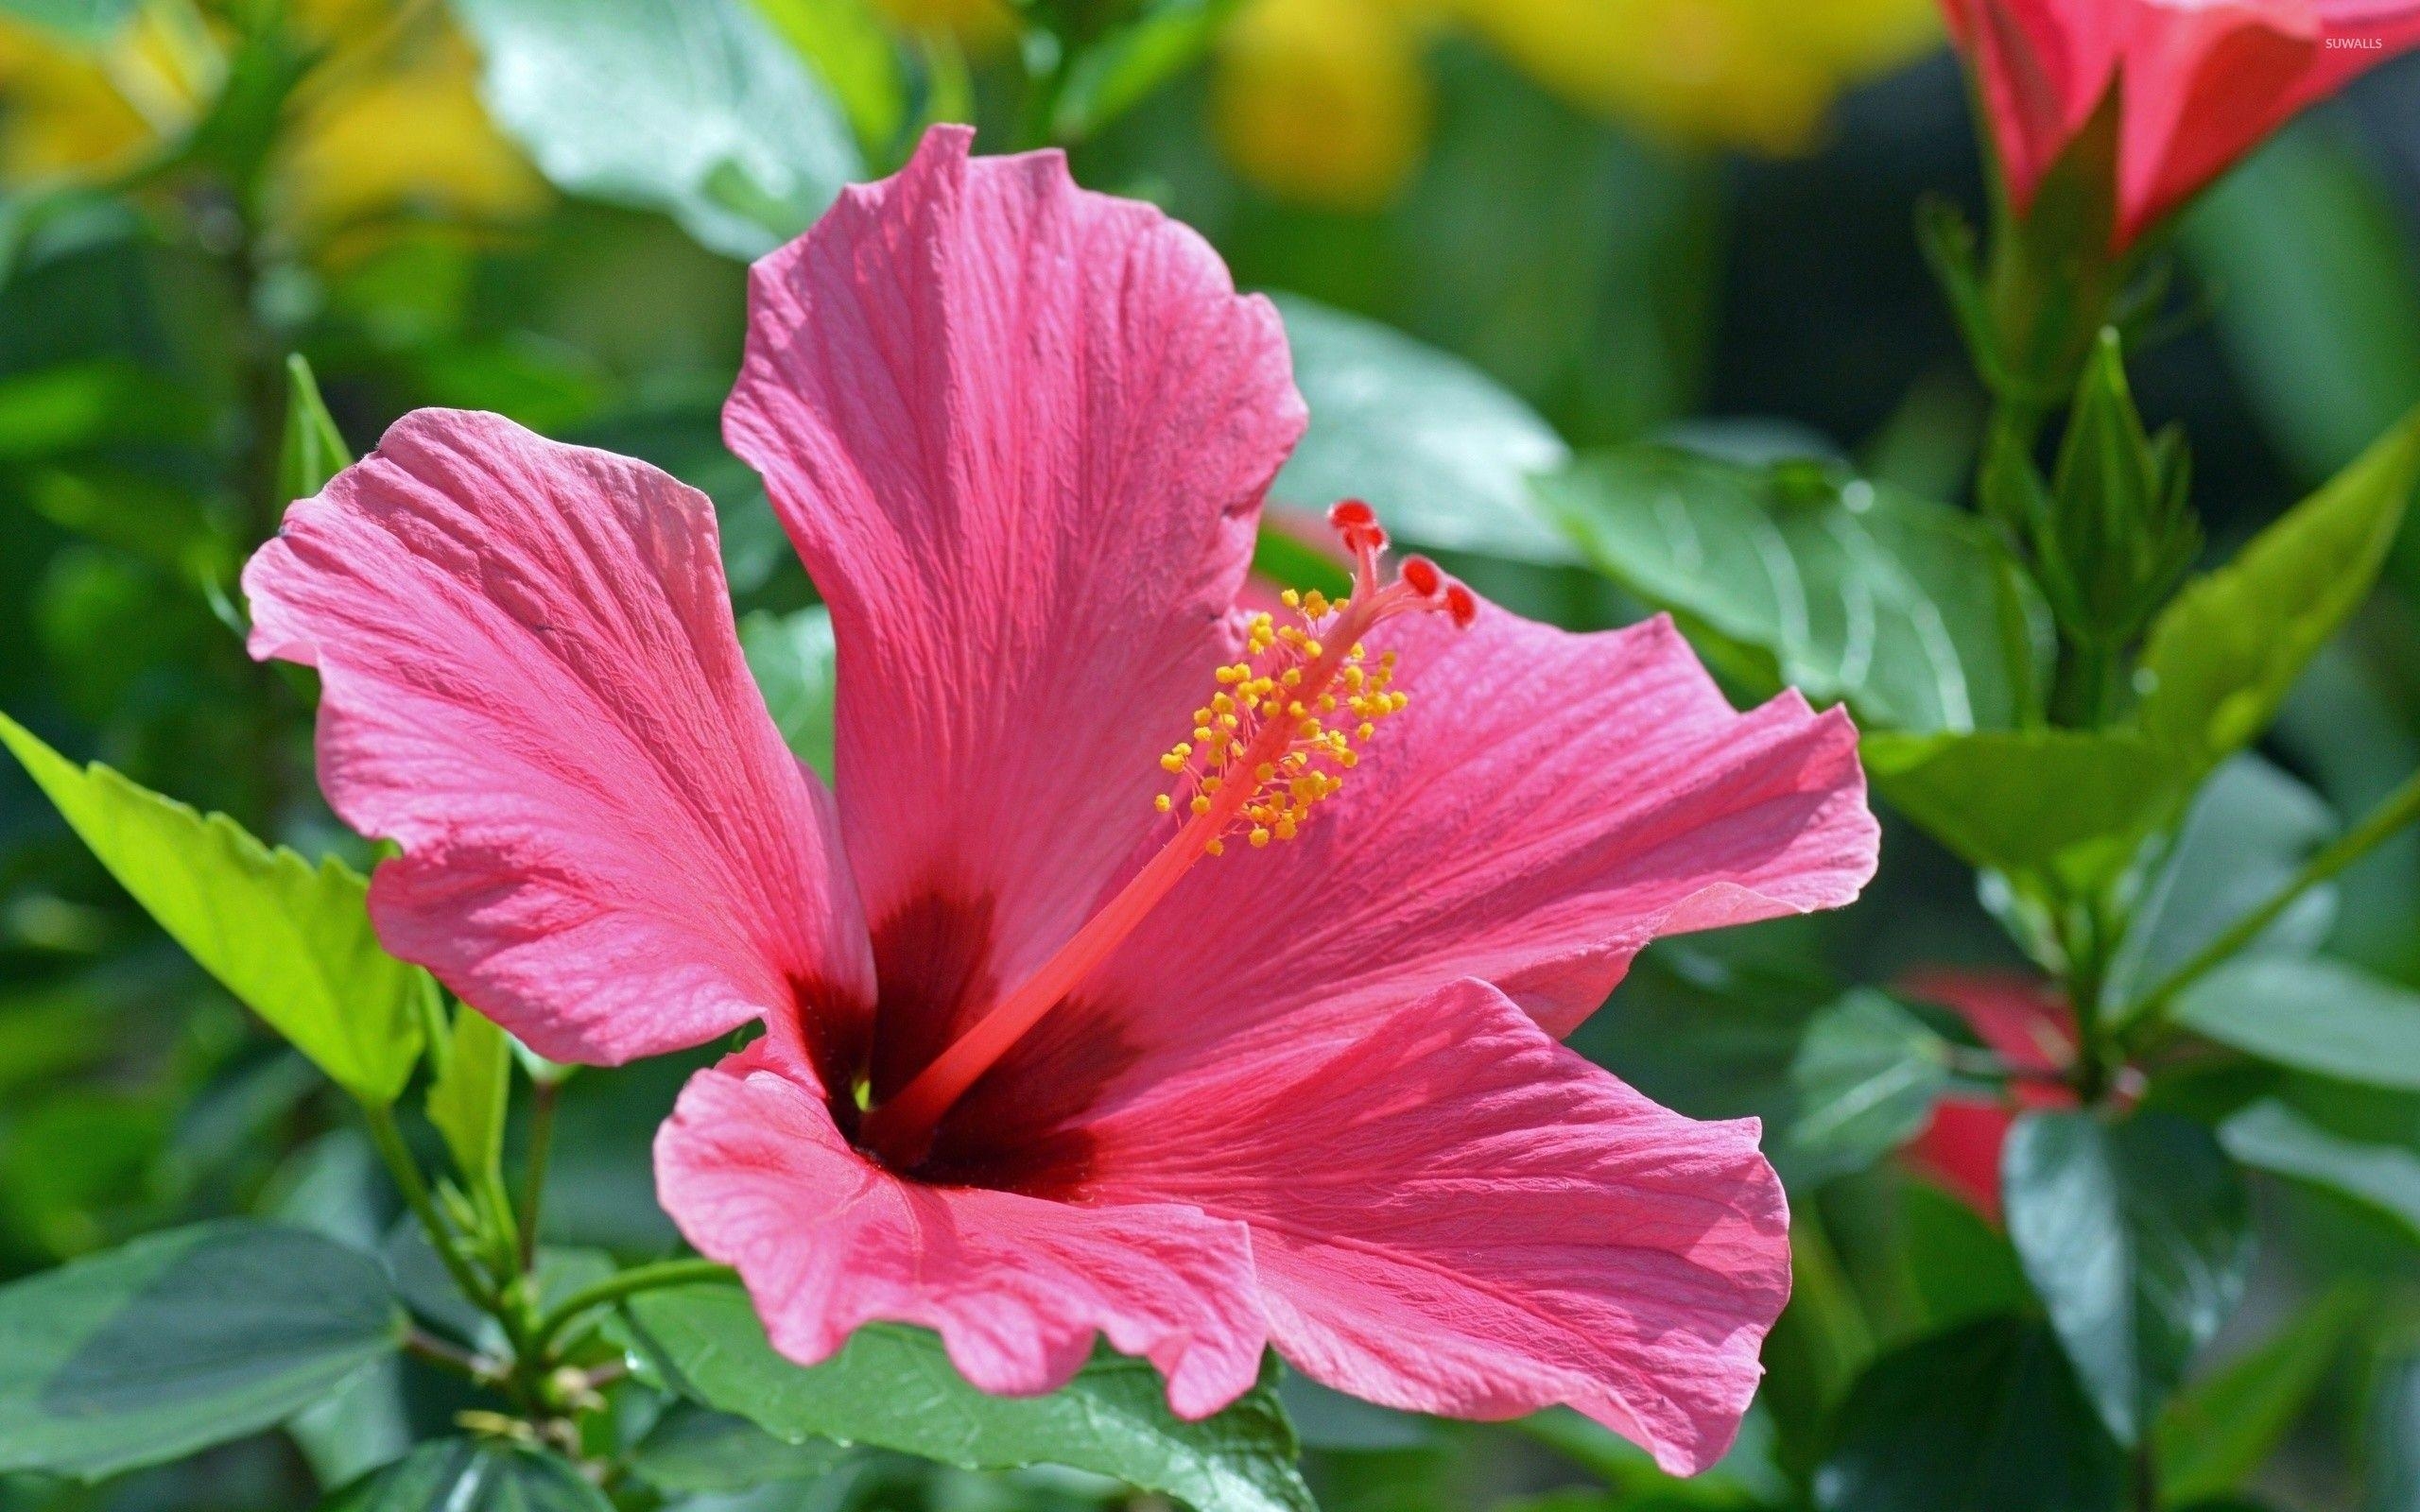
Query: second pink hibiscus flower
(1040,1063)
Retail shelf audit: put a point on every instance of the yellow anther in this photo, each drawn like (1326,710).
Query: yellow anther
(1173,762)
(1291,599)
(1201,804)
(1259,837)
(1162,804)
(1266,771)
(1215,848)
(1315,605)
(1286,829)
(1364,731)
(1293,677)
(1201,732)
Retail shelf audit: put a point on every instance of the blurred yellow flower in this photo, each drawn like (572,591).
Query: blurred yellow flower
(386,119)
(1326,100)
(1323,101)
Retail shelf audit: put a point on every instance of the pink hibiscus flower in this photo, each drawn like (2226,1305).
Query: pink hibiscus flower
(1036,1066)
(2200,82)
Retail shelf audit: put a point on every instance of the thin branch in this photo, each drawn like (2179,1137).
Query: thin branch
(2400,808)
(405,1171)
(533,1179)
(623,1283)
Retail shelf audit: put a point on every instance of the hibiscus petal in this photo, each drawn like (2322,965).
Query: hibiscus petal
(1547,805)
(1020,434)
(531,683)
(756,1174)
(2206,83)
(1451,1213)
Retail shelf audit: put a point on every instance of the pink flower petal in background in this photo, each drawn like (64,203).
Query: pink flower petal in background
(2200,82)
(1020,434)
(1450,1212)
(529,682)
(2018,1017)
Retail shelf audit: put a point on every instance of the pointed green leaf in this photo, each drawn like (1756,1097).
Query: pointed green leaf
(292,941)
(1910,611)
(472,1475)
(2136,1234)
(2222,654)
(2075,804)
(694,107)
(892,1387)
(2274,1136)
(696,1449)
(312,451)
(2223,1428)
(1839,1078)
(2249,829)
(851,51)
(467,1096)
(1985,1418)
(183,1340)
(1445,453)
(2313,1015)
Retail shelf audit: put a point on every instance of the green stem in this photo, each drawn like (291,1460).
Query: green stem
(2400,808)
(405,1171)
(422,1345)
(533,1179)
(2086,940)
(623,1283)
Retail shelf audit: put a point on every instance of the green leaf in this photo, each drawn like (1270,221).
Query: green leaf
(472,1475)
(2136,1234)
(2272,1136)
(791,656)
(1910,611)
(2220,1430)
(312,449)
(2393,1440)
(1282,558)
(2224,654)
(2248,831)
(1444,453)
(1839,1078)
(852,53)
(1960,1266)
(2069,803)
(1986,1419)
(180,1341)
(691,107)
(892,1387)
(694,1449)
(292,941)
(467,1096)
(2312,1015)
